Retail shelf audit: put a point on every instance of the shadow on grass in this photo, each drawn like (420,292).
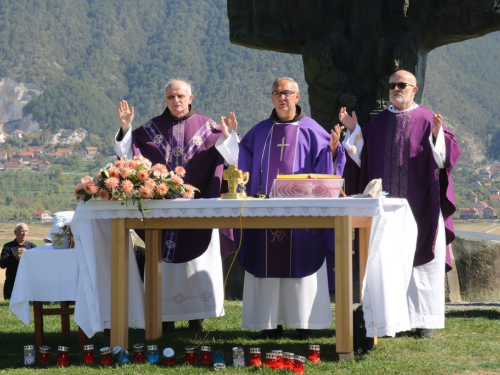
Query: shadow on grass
(474,313)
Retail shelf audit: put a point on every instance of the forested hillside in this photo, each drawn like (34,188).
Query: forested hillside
(88,54)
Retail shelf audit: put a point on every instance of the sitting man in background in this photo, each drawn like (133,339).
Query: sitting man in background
(11,255)
(192,265)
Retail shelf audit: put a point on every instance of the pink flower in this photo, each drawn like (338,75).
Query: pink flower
(103,194)
(114,172)
(146,192)
(162,189)
(177,180)
(86,180)
(77,189)
(180,171)
(132,164)
(119,164)
(128,187)
(142,175)
(189,193)
(160,168)
(91,188)
(125,172)
(150,183)
(112,182)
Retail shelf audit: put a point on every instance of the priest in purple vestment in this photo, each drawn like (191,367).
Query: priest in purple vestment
(407,147)
(192,268)
(286,270)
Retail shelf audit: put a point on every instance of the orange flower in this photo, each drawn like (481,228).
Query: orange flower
(103,194)
(162,189)
(114,172)
(91,188)
(142,175)
(145,192)
(112,182)
(128,187)
(189,193)
(180,171)
(120,163)
(177,180)
(160,168)
(150,183)
(77,189)
(86,180)
(132,164)
(125,172)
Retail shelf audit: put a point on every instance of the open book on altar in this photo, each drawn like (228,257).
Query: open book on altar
(308,185)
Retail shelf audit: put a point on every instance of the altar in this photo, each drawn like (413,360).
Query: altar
(101,230)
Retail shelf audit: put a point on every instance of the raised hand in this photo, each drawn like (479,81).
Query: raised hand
(436,126)
(126,115)
(335,139)
(228,124)
(348,121)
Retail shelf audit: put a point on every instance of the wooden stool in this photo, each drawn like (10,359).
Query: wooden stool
(64,311)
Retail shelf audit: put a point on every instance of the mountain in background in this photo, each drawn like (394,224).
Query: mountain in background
(86,55)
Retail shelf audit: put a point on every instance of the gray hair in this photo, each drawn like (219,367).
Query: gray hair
(188,83)
(275,83)
(18,225)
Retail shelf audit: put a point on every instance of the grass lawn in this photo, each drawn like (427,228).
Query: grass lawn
(468,345)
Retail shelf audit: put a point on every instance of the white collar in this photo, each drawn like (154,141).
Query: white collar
(394,110)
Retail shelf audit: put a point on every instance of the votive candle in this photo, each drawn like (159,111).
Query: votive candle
(139,355)
(44,357)
(255,357)
(106,359)
(168,357)
(190,355)
(153,356)
(63,356)
(206,355)
(313,355)
(288,360)
(29,355)
(299,364)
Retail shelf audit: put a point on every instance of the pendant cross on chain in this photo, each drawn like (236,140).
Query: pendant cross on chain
(282,145)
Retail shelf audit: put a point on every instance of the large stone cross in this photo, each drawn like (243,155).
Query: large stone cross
(351,47)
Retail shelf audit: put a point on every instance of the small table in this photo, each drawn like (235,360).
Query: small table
(343,214)
(46,274)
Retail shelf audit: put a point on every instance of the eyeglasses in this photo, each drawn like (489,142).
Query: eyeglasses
(278,94)
(400,85)
(174,97)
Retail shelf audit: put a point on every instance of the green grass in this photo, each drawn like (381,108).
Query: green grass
(468,345)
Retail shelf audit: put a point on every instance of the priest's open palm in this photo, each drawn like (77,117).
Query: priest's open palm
(348,121)
(228,124)
(126,115)
(436,126)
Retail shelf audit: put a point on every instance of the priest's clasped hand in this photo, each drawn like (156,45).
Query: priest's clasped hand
(228,125)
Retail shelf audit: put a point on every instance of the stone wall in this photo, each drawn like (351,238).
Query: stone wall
(478,268)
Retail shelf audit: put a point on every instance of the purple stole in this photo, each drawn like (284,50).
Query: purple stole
(280,160)
(175,155)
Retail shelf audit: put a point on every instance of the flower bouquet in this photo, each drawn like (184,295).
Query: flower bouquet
(135,179)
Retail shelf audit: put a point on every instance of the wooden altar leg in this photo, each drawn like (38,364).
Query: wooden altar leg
(119,283)
(153,284)
(364,243)
(343,287)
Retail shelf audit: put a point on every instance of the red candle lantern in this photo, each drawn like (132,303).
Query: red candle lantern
(288,360)
(299,364)
(106,359)
(271,360)
(190,355)
(168,357)
(63,356)
(88,355)
(139,353)
(279,358)
(206,355)
(44,357)
(313,353)
(255,357)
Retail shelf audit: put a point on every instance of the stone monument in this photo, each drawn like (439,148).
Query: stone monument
(350,48)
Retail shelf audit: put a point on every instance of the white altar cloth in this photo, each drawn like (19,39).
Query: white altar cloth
(44,274)
(91,229)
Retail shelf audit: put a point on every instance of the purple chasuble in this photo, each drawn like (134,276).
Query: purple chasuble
(269,148)
(187,142)
(397,150)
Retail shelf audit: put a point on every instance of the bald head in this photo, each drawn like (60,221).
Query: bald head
(402,89)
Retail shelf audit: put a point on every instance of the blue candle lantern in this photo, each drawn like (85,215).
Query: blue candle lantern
(29,355)
(218,360)
(153,354)
(120,355)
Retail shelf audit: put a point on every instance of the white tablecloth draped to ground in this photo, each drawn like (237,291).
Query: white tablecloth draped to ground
(389,263)
(44,274)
